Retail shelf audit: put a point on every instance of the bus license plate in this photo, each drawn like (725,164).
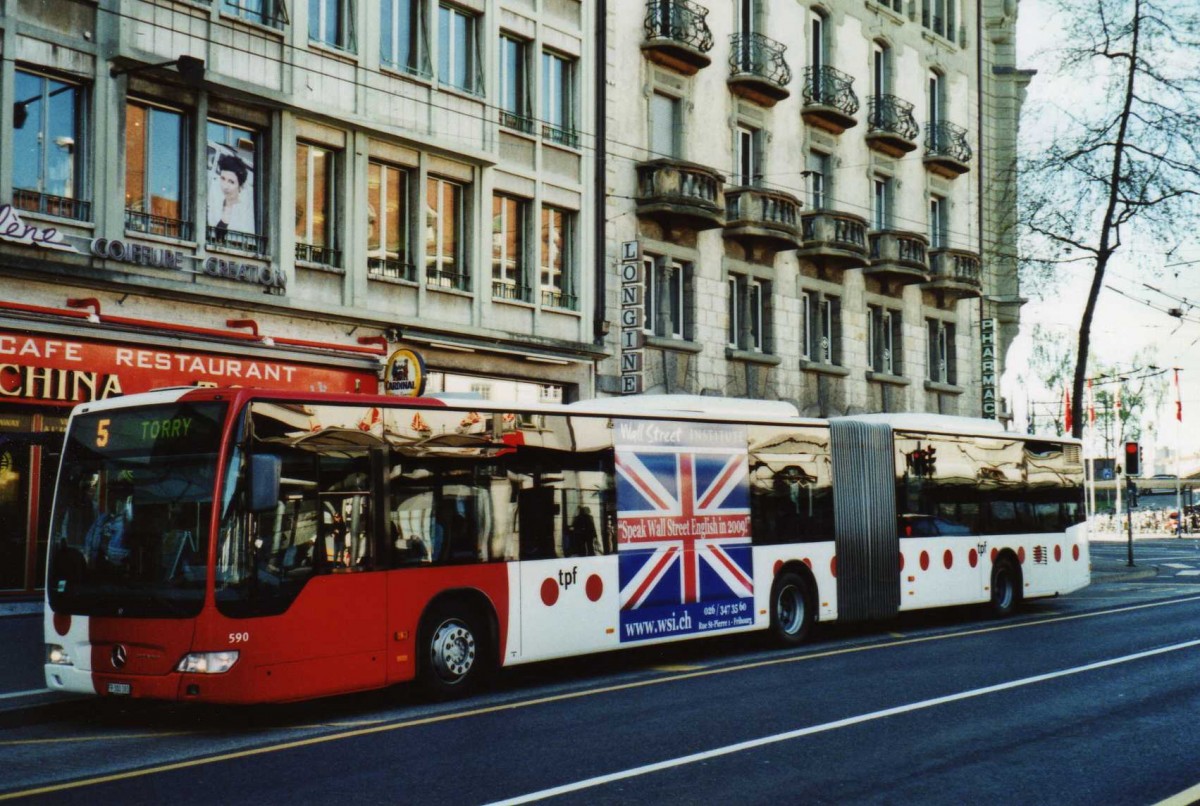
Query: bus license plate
(120,688)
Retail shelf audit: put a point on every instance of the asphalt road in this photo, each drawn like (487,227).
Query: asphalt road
(1089,698)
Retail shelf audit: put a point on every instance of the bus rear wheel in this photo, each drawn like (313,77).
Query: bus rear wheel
(1006,588)
(454,651)
(791,609)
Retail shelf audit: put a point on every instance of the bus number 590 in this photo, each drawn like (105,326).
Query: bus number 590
(239,637)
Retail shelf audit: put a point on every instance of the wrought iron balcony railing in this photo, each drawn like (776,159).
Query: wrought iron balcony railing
(446,278)
(553,298)
(679,21)
(511,120)
(758,56)
(392,269)
(560,136)
(231,239)
(62,206)
(506,289)
(828,86)
(137,221)
(943,139)
(320,255)
(891,115)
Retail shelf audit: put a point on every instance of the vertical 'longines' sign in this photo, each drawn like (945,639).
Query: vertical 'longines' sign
(632,337)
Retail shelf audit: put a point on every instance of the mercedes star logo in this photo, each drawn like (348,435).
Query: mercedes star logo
(118,656)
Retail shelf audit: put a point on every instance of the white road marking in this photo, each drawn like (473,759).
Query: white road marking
(752,744)
(1177,565)
(29,693)
(1189,573)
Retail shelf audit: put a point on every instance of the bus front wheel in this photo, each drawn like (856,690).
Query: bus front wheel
(1006,588)
(454,648)
(791,609)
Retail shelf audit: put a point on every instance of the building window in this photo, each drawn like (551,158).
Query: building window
(816,56)
(402,42)
(558,100)
(558,259)
(881,69)
(665,126)
(942,352)
(936,99)
(819,179)
(331,22)
(748,169)
(668,288)
(49,126)
(458,57)
(387,222)
(315,219)
(514,87)
(939,16)
(445,238)
(264,12)
(937,222)
(509,216)
(747,313)
(156,171)
(234,195)
(884,340)
(821,328)
(881,206)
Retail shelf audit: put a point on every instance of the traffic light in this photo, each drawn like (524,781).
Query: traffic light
(1133,459)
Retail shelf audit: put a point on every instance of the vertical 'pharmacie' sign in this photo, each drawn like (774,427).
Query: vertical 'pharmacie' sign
(987,367)
(632,338)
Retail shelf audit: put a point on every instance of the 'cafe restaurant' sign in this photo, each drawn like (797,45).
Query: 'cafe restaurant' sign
(35,368)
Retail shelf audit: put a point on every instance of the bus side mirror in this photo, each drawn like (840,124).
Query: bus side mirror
(265,471)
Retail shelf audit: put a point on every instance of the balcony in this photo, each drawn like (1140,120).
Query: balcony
(947,152)
(677,35)
(829,99)
(757,71)
(755,216)
(954,274)
(898,257)
(891,127)
(680,194)
(834,240)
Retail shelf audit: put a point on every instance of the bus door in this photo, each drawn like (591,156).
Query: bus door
(864,501)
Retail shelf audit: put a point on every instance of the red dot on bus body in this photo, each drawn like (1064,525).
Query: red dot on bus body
(1021,555)
(901,561)
(1075,553)
(1058,554)
(994,553)
(62,623)
(594,587)
(924,560)
(833,565)
(549,592)
(808,562)
(973,557)
(778,567)
(948,559)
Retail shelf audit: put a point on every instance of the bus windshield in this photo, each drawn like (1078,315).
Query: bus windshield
(129,533)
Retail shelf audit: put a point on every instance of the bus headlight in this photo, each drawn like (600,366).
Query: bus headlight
(57,655)
(207,662)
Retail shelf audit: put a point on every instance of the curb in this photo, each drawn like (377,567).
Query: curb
(1125,574)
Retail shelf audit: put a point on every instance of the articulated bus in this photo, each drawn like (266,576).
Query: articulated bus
(242,546)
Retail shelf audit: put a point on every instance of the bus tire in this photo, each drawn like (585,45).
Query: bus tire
(1006,588)
(792,612)
(454,647)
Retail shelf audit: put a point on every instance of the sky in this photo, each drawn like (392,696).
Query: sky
(1127,323)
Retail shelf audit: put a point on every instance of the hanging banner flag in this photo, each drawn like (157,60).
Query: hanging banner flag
(1068,420)
(1178,398)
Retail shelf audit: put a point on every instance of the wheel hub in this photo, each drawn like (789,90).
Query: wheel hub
(453,651)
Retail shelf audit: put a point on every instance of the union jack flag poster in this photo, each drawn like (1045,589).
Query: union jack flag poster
(683,528)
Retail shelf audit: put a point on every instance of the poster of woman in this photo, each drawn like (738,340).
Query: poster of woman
(230,190)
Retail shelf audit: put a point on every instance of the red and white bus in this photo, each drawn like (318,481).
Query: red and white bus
(246,546)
